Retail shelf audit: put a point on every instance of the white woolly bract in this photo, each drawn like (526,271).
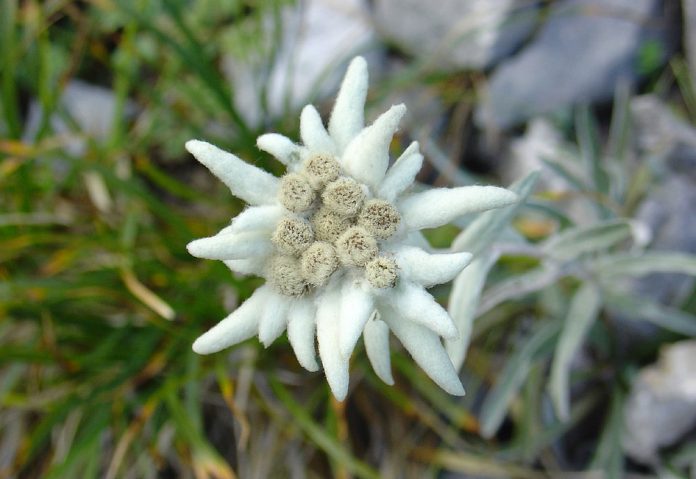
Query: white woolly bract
(401,174)
(415,304)
(366,157)
(313,134)
(239,326)
(426,349)
(357,305)
(255,265)
(335,365)
(376,338)
(440,206)
(231,246)
(429,269)
(273,319)
(245,181)
(347,117)
(281,147)
(256,218)
(301,333)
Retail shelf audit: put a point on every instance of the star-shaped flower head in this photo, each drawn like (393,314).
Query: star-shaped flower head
(337,239)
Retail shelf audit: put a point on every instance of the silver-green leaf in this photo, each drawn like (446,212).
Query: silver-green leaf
(582,313)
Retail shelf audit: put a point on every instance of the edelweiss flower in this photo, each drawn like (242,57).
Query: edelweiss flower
(337,240)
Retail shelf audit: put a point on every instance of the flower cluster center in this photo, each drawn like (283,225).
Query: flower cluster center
(332,223)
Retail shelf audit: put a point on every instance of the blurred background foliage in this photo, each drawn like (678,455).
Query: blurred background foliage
(100,302)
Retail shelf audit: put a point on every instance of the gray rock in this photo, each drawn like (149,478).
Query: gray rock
(661,406)
(689,12)
(91,111)
(668,144)
(457,34)
(91,107)
(668,212)
(662,138)
(316,36)
(582,52)
(543,142)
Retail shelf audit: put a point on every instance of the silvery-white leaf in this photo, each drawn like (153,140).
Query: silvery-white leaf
(634,265)
(584,308)
(640,309)
(463,303)
(486,227)
(576,241)
(516,286)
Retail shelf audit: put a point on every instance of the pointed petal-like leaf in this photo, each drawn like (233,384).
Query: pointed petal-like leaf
(376,338)
(281,147)
(347,117)
(257,218)
(402,173)
(440,206)
(255,265)
(247,182)
(301,333)
(312,131)
(426,349)
(357,306)
(335,365)
(273,319)
(429,269)
(231,246)
(366,157)
(415,304)
(239,326)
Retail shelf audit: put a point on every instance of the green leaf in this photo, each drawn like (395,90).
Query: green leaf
(513,376)
(645,310)
(574,242)
(582,314)
(481,233)
(631,264)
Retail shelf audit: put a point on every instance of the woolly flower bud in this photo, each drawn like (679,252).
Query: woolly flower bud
(344,196)
(284,275)
(295,193)
(380,218)
(321,169)
(292,236)
(328,226)
(381,272)
(318,262)
(356,246)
